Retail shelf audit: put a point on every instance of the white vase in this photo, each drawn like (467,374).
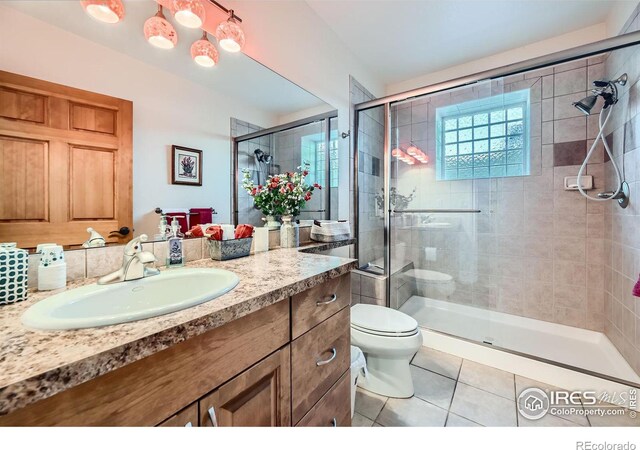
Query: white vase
(289,233)
(270,222)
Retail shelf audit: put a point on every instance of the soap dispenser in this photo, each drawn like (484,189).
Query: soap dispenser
(175,249)
(163,228)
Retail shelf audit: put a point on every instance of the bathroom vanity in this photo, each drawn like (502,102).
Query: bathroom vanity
(275,351)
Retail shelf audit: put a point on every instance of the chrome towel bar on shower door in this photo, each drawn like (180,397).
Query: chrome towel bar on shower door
(450,211)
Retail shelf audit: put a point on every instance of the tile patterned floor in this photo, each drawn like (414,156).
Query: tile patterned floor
(455,392)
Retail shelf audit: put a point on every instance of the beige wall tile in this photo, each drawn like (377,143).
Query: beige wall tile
(102,261)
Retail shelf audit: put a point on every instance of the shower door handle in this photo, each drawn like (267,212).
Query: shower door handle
(449,211)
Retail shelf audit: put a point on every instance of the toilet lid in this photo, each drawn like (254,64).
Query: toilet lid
(380,320)
(430,276)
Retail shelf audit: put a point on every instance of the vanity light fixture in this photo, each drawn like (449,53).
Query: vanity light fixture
(108,11)
(159,32)
(189,13)
(204,52)
(417,154)
(402,156)
(230,35)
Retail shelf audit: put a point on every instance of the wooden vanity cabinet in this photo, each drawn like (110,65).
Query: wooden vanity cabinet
(188,417)
(258,397)
(252,371)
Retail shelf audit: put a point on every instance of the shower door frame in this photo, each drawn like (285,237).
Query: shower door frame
(580,52)
(235,175)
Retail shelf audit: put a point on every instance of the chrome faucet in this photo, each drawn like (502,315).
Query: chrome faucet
(133,263)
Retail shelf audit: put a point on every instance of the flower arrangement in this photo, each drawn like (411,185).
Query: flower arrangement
(282,195)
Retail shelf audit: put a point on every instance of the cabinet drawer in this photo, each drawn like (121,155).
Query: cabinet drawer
(318,360)
(334,409)
(188,417)
(312,306)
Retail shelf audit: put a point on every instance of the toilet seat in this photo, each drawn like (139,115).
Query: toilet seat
(384,334)
(382,321)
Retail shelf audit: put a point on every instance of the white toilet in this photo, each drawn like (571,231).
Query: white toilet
(389,339)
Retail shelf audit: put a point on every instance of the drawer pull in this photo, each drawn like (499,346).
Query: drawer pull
(334,422)
(188,425)
(212,417)
(327,361)
(333,298)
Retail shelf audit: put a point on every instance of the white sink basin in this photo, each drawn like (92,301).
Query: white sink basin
(96,305)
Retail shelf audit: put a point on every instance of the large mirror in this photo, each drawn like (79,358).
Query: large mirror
(99,128)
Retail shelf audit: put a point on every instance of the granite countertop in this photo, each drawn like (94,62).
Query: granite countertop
(37,364)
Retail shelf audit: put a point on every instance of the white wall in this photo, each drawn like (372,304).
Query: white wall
(167,110)
(576,38)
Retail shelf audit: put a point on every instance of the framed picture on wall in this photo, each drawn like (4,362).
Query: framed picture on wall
(186,166)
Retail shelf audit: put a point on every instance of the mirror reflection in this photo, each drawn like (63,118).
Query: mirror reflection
(96,141)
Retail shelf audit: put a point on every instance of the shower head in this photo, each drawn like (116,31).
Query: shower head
(605,89)
(262,156)
(586,104)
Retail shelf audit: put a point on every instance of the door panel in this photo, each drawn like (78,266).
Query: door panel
(258,397)
(65,161)
(24,174)
(95,167)
(23,106)
(93,118)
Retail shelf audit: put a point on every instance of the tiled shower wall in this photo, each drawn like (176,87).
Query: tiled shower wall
(622,226)
(535,250)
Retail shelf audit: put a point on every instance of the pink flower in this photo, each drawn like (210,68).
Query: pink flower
(307,196)
(259,187)
(317,186)
(305,173)
(282,190)
(290,186)
(254,191)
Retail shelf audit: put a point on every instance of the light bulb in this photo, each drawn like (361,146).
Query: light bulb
(108,11)
(189,13)
(230,36)
(159,32)
(204,52)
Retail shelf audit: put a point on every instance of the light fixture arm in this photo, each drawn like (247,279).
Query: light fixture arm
(232,14)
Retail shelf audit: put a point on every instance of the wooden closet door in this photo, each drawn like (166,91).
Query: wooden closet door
(65,162)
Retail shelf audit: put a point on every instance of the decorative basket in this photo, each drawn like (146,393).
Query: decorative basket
(229,249)
(330,231)
(14,266)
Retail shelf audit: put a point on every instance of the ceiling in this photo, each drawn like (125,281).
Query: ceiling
(237,75)
(402,39)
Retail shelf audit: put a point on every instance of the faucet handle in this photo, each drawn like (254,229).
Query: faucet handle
(135,245)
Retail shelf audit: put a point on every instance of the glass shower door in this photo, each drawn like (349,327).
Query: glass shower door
(438,274)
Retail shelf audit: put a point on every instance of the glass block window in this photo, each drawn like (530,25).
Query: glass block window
(333,162)
(484,138)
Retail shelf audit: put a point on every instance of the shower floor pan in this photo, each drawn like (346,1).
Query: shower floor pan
(569,346)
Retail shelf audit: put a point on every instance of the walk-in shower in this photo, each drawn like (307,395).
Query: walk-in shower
(471,215)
